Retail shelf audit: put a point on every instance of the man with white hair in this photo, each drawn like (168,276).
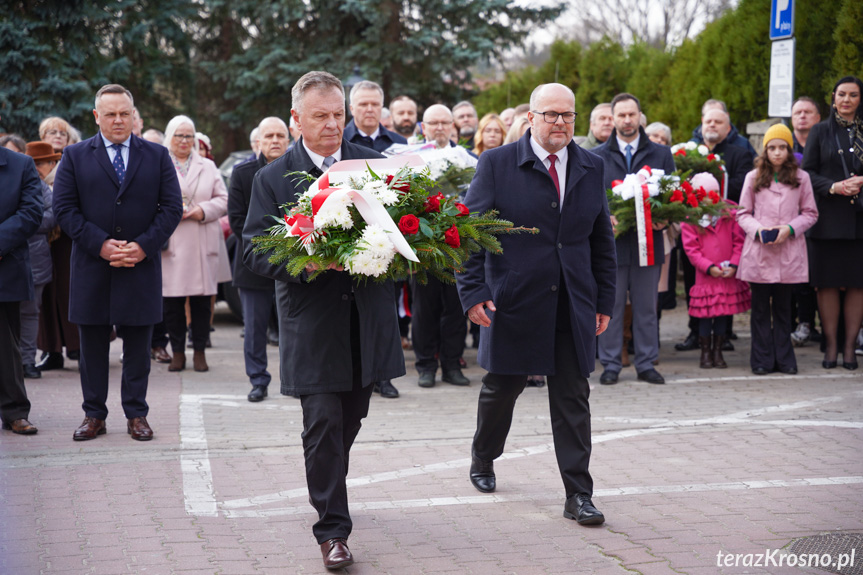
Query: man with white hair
(601,126)
(466,122)
(365,128)
(254,142)
(256,291)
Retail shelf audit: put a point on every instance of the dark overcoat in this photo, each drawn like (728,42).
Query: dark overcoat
(385,138)
(91,206)
(20,216)
(239,196)
(646,154)
(575,242)
(315,317)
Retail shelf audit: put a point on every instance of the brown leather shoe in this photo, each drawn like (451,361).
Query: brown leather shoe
(160,355)
(139,429)
(89,429)
(178,362)
(336,554)
(20,426)
(199,360)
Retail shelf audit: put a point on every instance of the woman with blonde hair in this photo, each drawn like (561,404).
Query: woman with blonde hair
(195,260)
(517,130)
(489,134)
(56,131)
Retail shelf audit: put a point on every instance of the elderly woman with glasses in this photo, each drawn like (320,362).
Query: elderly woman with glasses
(56,131)
(195,260)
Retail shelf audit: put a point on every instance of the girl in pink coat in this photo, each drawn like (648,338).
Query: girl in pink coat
(713,246)
(776,207)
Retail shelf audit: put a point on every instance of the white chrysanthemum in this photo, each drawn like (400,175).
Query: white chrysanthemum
(334,214)
(387,197)
(375,186)
(375,240)
(690,145)
(702,149)
(676,147)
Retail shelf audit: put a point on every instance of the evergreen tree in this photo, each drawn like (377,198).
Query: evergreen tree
(848,54)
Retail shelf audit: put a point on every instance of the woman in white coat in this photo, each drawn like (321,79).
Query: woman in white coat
(196,259)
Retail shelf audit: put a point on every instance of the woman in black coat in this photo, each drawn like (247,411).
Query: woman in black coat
(834,160)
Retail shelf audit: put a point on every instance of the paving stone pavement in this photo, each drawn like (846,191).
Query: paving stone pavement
(714,462)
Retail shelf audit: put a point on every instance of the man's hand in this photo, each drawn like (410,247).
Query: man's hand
(112,251)
(613,224)
(313,267)
(477,314)
(133,253)
(602,322)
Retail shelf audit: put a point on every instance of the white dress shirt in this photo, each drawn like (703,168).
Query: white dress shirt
(560,166)
(318,159)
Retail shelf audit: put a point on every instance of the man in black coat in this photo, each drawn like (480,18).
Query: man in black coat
(365,129)
(117,196)
(626,151)
(337,334)
(20,216)
(542,302)
(256,291)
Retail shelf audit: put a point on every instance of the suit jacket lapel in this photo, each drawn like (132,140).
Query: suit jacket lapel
(135,151)
(574,170)
(101,155)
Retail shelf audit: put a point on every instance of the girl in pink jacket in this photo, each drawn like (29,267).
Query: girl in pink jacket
(713,246)
(776,206)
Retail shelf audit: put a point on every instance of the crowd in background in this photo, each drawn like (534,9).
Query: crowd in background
(804,282)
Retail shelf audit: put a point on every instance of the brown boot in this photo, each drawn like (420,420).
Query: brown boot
(178,361)
(706,355)
(199,360)
(718,360)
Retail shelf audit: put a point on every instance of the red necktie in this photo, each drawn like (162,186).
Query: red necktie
(553,172)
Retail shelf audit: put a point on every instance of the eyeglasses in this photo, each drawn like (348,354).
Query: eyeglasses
(551,117)
(184,137)
(56,133)
(441,123)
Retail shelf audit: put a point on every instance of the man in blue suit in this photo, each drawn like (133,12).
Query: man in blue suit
(20,216)
(542,302)
(118,198)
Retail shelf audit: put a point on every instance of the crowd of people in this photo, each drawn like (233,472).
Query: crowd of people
(119,235)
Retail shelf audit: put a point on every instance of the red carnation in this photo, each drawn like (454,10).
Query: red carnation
(692,200)
(714,197)
(687,187)
(700,193)
(711,157)
(676,196)
(451,237)
(680,152)
(409,224)
(400,185)
(433,202)
(462,209)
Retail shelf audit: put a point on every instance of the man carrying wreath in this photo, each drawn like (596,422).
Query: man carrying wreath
(337,335)
(542,302)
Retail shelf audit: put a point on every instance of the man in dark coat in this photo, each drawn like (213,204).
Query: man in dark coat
(626,151)
(542,302)
(256,291)
(20,216)
(337,335)
(734,137)
(118,198)
(365,128)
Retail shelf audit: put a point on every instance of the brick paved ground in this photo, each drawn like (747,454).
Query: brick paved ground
(715,461)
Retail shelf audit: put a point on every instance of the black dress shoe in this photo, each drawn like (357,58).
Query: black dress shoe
(426,379)
(73,355)
(760,370)
(608,377)
(651,376)
(53,360)
(336,554)
(386,389)
(850,365)
(789,370)
(258,393)
(688,344)
(455,377)
(482,474)
(829,364)
(581,508)
(31,371)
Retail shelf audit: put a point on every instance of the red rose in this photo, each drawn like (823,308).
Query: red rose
(451,237)
(680,152)
(714,197)
(409,224)
(711,157)
(462,209)
(692,200)
(687,187)
(676,196)
(433,202)
(400,185)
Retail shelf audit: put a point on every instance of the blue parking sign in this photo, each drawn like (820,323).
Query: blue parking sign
(781,19)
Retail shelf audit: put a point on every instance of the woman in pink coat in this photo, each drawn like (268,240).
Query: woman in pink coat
(196,259)
(776,207)
(714,247)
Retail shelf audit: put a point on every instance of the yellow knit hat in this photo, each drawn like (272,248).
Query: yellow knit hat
(779,132)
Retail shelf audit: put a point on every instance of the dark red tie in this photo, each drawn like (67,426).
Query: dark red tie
(553,172)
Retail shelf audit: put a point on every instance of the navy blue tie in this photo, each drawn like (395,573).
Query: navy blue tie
(118,164)
(628,157)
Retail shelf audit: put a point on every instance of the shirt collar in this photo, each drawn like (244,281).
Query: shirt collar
(373,135)
(543,154)
(109,143)
(634,143)
(318,159)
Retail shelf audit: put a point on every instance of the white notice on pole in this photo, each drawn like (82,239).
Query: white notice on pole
(781,79)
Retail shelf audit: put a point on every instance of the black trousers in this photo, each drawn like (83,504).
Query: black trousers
(804,302)
(175,321)
(771,327)
(439,327)
(568,395)
(94,364)
(13,396)
(331,422)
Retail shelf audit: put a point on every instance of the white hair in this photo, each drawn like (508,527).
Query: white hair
(367,85)
(254,135)
(172,126)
